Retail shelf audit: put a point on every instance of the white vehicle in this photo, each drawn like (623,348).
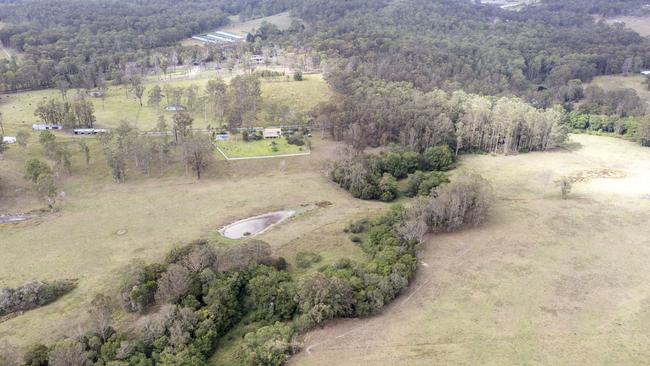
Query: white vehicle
(9,140)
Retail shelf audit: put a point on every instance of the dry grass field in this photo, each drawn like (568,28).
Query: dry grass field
(18,109)
(545,282)
(281,20)
(636,82)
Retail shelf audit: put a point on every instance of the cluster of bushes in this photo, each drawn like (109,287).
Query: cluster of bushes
(375,176)
(623,126)
(421,183)
(251,135)
(631,128)
(348,288)
(464,201)
(265,73)
(304,259)
(32,295)
(297,139)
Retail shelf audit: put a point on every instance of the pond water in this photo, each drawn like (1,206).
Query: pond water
(254,225)
(6,219)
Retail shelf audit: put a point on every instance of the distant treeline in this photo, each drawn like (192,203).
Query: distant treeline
(382,113)
(83,43)
(453,45)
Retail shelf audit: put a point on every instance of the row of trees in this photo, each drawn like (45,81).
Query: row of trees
(126,147)
(236,104)
(76,113)
(381,113)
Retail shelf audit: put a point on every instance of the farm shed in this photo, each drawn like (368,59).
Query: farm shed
(89,131)
(174,108)
(43,127)
(272,133)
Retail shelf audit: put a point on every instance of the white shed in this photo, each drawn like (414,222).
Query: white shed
(272,133)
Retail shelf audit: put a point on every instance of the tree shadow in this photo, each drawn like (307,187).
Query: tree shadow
(571,146)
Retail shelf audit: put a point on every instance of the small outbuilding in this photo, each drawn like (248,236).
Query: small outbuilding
(174,108)
(89,131)
(43,127)
(8,139)
(222,137)
(272,133)
(95,94)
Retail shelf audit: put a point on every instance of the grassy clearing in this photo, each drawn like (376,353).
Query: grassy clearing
(82,241)
(545,281)
(241,149)
(281,20)
(636,82)
(18,109)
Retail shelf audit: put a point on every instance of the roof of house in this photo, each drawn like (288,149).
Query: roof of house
(272,131)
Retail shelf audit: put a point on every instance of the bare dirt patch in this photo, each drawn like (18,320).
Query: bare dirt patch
(588,175)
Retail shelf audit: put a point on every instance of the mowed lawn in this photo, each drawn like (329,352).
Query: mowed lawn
(248,149)
(18,109)
(545,281)
(102,226)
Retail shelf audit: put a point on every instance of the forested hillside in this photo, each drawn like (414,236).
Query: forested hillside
(455,45)
(85,42)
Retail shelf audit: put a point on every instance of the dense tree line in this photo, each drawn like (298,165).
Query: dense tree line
(598,7)
(78,112)
(452,45)
(83,43)
(381,113)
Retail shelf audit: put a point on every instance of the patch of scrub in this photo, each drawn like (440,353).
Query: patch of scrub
(254,225)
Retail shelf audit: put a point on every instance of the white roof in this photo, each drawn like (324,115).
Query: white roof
(9,139)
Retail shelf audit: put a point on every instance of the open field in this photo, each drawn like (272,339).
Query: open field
(18,109)
(240,149)
(545,282)
(640,25)
(636,82)
(82,241)
(281,20)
